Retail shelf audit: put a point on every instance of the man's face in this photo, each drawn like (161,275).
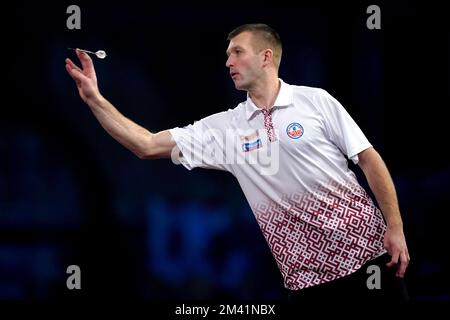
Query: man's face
(244,63)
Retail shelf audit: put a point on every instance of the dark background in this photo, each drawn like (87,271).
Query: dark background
(71,195)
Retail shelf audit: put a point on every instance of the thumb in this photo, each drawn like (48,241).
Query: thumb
(394,260)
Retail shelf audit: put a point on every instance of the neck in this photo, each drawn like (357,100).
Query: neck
(265,93)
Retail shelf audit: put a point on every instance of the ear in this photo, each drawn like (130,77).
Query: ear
(267,57)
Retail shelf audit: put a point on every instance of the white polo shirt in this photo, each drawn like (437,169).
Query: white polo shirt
(318,221)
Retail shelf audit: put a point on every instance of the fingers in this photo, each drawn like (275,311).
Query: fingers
(404,261)
(400,259)
(72,65)
(75,72)
(86,61)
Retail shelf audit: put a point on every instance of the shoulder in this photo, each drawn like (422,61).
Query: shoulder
(310,93)
(224,118)
(229,114)
(320,98)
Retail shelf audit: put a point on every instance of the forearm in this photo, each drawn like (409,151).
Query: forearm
(132,136)
(383,188)
(381,184)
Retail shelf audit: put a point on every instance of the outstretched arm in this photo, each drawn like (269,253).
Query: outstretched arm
(140,141)
(381,184)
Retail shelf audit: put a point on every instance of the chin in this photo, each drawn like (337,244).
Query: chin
(240,86)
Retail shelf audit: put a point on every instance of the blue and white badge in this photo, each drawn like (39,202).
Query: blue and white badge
(294,130)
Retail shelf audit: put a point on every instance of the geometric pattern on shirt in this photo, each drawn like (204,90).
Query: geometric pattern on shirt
(322,235)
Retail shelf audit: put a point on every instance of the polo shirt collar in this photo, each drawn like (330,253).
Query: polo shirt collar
(285,98)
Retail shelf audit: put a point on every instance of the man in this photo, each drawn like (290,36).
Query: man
(286,145)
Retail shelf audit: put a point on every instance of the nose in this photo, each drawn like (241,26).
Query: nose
(228,63)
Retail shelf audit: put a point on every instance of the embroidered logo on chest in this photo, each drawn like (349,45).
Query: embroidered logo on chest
(294,130)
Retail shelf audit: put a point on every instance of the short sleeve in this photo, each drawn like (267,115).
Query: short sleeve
(341,128)
(201,144)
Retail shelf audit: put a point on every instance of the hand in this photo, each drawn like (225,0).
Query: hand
(85,78)
(395,244)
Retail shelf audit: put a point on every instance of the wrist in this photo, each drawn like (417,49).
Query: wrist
(95,102)
(395,225)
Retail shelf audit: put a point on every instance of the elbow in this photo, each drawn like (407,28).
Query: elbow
(140,155)
(147,154)
(144,149)
(143,155)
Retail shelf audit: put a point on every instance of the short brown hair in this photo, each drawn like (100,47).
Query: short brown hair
(270,38)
